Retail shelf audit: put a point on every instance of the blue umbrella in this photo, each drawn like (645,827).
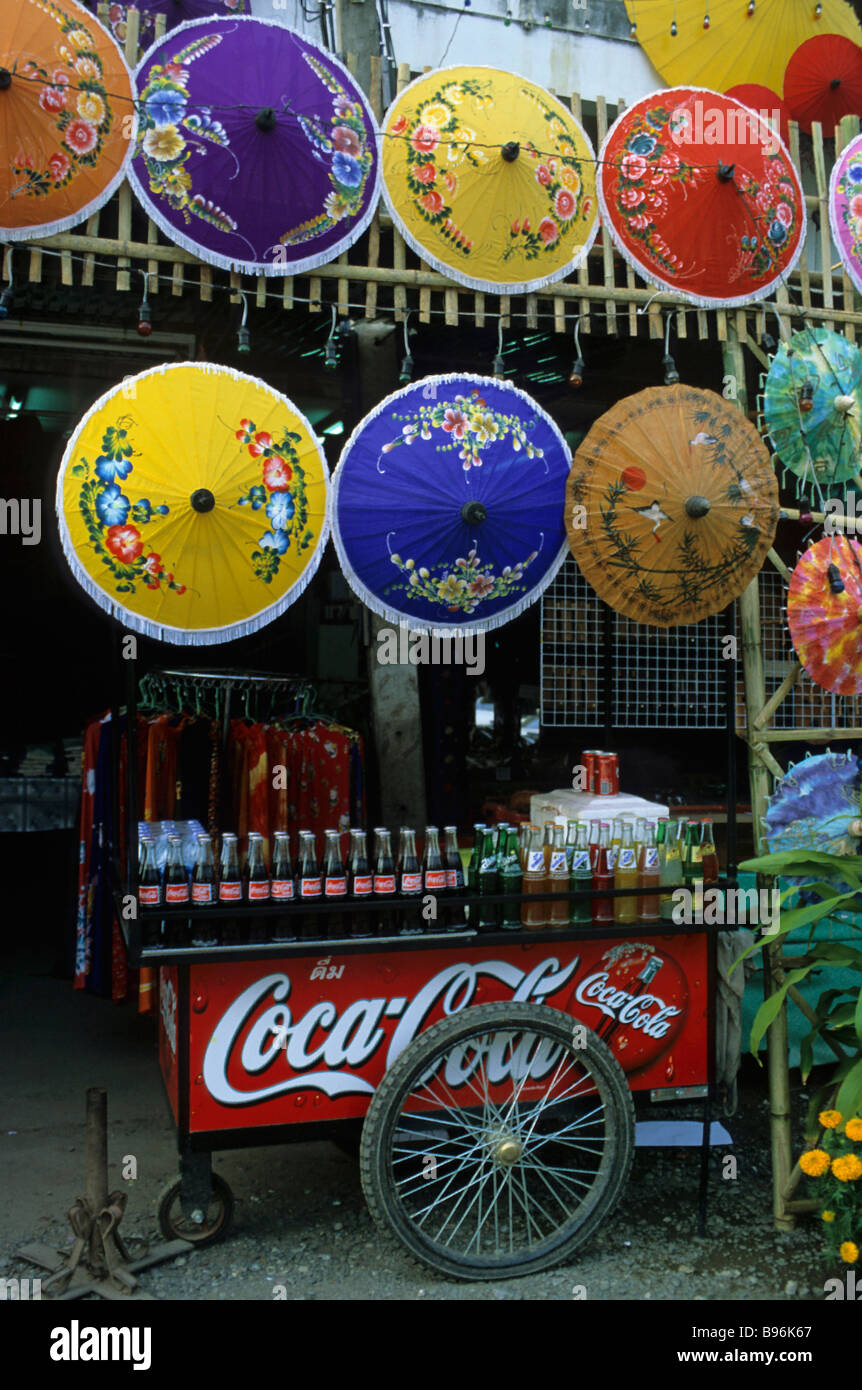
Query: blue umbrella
(816,805)
(449,504)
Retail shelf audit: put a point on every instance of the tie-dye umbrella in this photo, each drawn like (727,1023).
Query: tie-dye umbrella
(812,409)
(845,209)
(193,503)
(490,178)
(700,196)
(824,604)
(257,149)
(175,12)
(448,504)
(671,505)
(816,805)
(67,117)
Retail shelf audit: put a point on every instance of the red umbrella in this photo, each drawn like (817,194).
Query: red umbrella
(823,81)
(766,103)
(700,196)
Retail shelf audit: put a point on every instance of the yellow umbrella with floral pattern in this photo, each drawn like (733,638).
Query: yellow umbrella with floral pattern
(489,178)
(193,503)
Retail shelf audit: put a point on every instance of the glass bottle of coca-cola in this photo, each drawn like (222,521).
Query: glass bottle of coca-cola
(383,882)
(308,881)
(230,880)
(176,874)
(334,883)
(434,870)
(204,931)
(360,884)
(149,878)
(607,1026)
(410,884)
(282,888)
(257,882)
(454,917)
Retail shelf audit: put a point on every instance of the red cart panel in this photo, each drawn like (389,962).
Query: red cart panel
(309,1038)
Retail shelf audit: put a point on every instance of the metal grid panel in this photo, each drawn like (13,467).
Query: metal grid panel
(661,678)
(807,705)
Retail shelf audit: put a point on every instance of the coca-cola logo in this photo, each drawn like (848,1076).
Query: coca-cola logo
(636,998)
(258,1035)
(643,1011)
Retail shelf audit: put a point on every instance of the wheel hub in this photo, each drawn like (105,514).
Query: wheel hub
(508,1150)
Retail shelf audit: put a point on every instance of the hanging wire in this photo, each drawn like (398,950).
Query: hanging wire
(671,375)
(576,376)
(330,352)
(405,376)
(244,334)
(145,313)
(498,366)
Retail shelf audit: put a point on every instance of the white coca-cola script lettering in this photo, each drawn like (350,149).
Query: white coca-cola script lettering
(637,1011)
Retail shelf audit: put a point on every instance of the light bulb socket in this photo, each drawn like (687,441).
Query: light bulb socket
(671,375)
(405,376)
(243,337)
(498,366)
(145,320)
(673,29)
(768,343)
(806,397)
(576,375)
(330,355)
(836,583)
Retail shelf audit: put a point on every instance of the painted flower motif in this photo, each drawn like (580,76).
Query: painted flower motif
(277,474)
(777,233)
(280,510)
(425,173)
(632,197)
(454,93)
(450,182)
(124,542)
(669,162)
(481,586)
(164,144)
(343,107)
(642,144)
(632,166)
(543,175)
(640,222)
(856,206)
(346,140)
(455,422)
(59,166)
(274,540)
(166,108)
(450,588)
(86,68)
(80,38)
(335,206)
(784,213)
(586,207)
(112,506)
(486,428)
(425,139)
(52,99)
(398,127)
(548,230)
(91,107)
(564,204)
(435,114)
(108,468)
(432,202)
(569,179)
(347,169)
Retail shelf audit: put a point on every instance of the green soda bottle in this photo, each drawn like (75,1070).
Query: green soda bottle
(488,883)
(511,880)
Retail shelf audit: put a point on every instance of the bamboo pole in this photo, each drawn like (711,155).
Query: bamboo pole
(809,735)
(376,100)
(775,700)
(823,209)
(399,257)
(777,563)
(607,244)
(805,258)
(583,268)
(758,775)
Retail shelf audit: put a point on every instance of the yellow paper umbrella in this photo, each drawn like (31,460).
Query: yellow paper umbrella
(489,178)
(193,503)
(671,505)
(720,43)
(67,116)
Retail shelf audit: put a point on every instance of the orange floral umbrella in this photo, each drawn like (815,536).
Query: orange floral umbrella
(67,117)
(671,505)
(824,613)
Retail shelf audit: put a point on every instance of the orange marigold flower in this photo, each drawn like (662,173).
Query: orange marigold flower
(853,1129)
(815,1163)
(849,1252)
(830,1119)
(847,1168)
(828,1215)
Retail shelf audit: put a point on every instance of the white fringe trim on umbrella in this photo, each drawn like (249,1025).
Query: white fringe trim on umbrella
(649,276)
(65,224)
(426,252)
(163,632)
(378,605)
(280,266)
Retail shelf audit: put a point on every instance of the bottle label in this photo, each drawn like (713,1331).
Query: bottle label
(454,878)
(696,854)
(488,866)
(672,853)
(650,857)
(626,859)
(535,861)
(310,887)
(258,890)
(362,885)
(384,883)
(282,889)
(229,892)
(411,883)
(176,893)
(558,861)
(202,893)
(580,860)
(612,859)
(435,880)
(150,894)
(335,888)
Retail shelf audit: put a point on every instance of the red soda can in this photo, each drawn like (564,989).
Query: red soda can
(590,761)
(609,775)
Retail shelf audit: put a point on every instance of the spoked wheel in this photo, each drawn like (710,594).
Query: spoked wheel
(204,1227)
(492,1147)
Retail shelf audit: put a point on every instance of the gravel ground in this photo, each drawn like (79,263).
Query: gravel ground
(302,1230)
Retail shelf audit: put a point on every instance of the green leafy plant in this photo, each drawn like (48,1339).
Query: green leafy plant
(835,882)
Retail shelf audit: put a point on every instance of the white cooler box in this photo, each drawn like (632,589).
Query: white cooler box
(566,805)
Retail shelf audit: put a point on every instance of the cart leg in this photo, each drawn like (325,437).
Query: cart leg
(703,1193)
(196,1188)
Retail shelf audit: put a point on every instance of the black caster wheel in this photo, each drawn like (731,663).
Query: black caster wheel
(214,1223)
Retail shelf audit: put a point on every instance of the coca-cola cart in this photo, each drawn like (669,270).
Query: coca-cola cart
(492,1075)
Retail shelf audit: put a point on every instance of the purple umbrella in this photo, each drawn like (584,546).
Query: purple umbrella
(176,12)
(256,149)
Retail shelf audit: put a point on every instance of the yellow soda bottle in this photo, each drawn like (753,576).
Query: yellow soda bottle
(626,876)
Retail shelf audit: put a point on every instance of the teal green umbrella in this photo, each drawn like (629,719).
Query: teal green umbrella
(812,410)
